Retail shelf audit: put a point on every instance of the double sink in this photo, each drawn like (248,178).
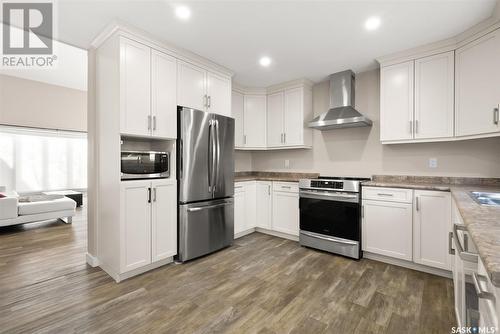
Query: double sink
(483,198)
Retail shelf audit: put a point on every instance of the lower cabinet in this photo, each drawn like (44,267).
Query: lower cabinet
(411,225)
(431,227)
(272,206)
(286,212)
(148,223)
(387,228)
(264,204)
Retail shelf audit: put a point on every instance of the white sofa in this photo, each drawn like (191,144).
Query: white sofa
(12,212)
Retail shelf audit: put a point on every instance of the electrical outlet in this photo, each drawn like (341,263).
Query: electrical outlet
(433,162)
(287,164)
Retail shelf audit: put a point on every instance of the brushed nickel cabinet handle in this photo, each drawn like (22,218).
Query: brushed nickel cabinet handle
(416,126)
(384,194)
(209,101)
(205,100)
(451,251)
(149,122)
(417,203)
(411,127)
(154,194)
(479,290)
(154,122)
(496,115)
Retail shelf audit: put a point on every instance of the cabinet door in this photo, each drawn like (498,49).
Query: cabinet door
(477,92)
(434,89)
(164,219)
(293,117)
(286,212)
(275,108)
(237,113)
(164,95)
(387,229)
(135,89)
(396,102)
(264,204)
(250,205)
(254,109)
(239,208)
(135,229)
(191,86)
(219,94)
(431,227)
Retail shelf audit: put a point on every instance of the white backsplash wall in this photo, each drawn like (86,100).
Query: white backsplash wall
(242,161)
(358,151)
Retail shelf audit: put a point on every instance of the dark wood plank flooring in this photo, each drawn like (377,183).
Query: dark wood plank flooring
(262,284)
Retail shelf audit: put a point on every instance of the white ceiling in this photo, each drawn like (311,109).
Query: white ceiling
(304,38)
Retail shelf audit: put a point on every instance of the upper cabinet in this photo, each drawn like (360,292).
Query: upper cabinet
(477,93)
(416,99)
(147,91)
(254,121)
(203,90)
(443,91)
(396,102)
(237,113)
(276,120)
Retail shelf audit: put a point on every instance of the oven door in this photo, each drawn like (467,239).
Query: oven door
(331,214)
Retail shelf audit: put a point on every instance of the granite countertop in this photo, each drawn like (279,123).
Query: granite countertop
(482,222)
(273,176)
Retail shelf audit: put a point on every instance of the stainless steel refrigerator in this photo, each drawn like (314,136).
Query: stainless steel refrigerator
(205,172)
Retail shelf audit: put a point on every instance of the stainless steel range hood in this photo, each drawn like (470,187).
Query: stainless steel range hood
(341,113)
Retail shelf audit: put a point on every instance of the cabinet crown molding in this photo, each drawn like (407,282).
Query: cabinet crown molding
(120,28)
(445,45)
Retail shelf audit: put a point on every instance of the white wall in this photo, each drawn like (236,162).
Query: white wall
(358,151)
(38,104)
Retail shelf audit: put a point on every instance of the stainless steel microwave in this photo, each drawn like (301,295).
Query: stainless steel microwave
(144,165)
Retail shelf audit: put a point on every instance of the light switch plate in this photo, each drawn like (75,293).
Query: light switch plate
(433,162)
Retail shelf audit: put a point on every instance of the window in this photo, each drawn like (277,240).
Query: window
(34,160)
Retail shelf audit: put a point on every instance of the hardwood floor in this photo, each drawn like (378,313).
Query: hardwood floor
(262,284)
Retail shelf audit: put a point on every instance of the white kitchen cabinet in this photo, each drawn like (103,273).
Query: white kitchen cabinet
(434,96)
(239,208)
(254,116)
(263,204)
(477,92)
(135,88)
(396,101)
(219,94)
(275,110)
(237,113)
(293,117)
(200,89)
(250,205)
(191,86)
(431,227)
(135,231)
(148,222)
(163,95)
(285,211)
(163,219)
(387,228)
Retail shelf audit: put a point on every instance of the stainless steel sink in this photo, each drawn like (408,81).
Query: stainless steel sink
(482,198)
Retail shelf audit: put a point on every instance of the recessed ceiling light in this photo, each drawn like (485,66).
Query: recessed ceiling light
(372,23)
(183,12)
(265,61)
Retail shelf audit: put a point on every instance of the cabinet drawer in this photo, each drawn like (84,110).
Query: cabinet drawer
(388,194)
(290,187)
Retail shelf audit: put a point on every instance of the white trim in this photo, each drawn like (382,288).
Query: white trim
(277,234)
(407,264)
(243,233)
(92,260)
(123,276)
(446,45)
(447,139)
(121,28)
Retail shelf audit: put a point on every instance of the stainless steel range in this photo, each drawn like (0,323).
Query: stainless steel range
(330,215)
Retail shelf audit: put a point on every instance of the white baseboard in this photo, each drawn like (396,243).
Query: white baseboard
(408,264)
(243,233)
(92,260)
(277,234)
(123,276)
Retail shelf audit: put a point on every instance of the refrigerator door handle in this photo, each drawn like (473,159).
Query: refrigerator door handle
(210,156)
(218,155)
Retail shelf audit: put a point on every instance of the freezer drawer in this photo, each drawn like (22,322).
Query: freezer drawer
(205,227)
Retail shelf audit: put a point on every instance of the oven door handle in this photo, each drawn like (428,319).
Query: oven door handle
(328,238)
(329,197)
